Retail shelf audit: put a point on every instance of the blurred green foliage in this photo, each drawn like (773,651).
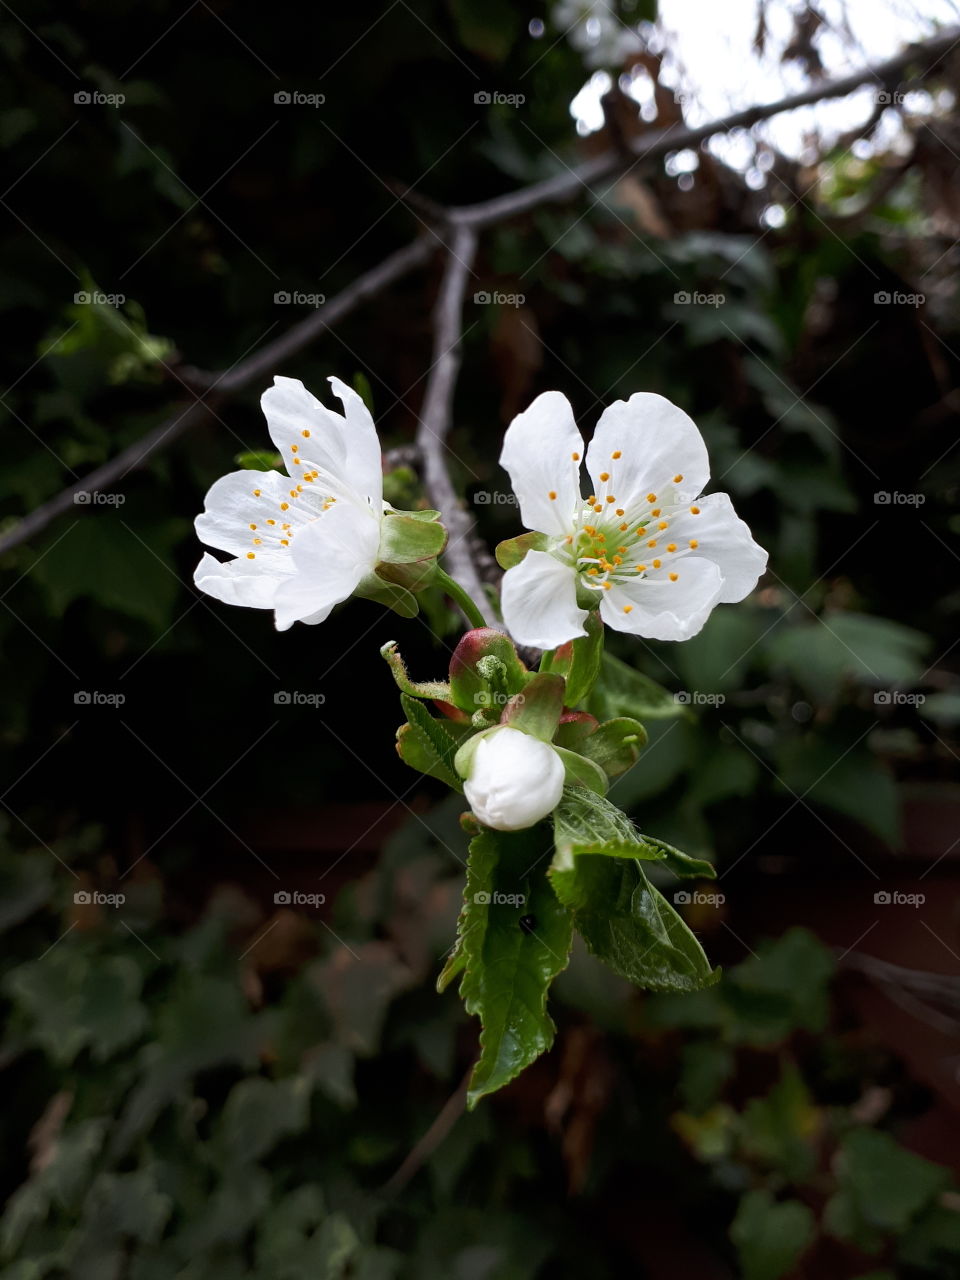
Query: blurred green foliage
(195,1112)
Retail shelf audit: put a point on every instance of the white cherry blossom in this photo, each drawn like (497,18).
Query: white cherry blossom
(303,541)
(644,547)
(514,779)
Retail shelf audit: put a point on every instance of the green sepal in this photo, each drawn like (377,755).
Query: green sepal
(463,759)
(622,691)
(578,661)
(538,708)
(470,689)
(681,864)
(511,551)
(426,743)
(438,690)
(582,772)
(616,745)
(392,594)
(413,576)
(509,967)
(425,514)
(574,727)
(406,538)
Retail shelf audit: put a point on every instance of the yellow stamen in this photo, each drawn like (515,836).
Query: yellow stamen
(652,542)
(671,546)
(655,513)
(627,608)
(656,564)
(619,511)
(694,511)
(677,479)
(663,524)
(615,455)
(253,526)
(304,433)
(641,568)
(604,476)
(694,544)
(251,555)
(294,448)
(552,495)
(606,585)
(651,497)
(624,528)
(674,576)
(284,506)
(256,493)
(593,569)
(575,457)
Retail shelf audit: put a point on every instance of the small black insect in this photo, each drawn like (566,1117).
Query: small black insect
(528,923)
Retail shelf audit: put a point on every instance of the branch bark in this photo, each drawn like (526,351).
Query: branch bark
(461,224)
(437,411)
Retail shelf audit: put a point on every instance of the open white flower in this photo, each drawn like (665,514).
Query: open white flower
(514,779)
(304,541)
(644,547)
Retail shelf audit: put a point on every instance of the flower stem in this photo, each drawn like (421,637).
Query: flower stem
(456,592)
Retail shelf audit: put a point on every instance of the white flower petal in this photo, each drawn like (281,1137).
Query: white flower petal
(248,582)
(658,609)
(330,556)
(514,781)
(241,499)
(721,536)
(539,601)
(656,442)
(538,453)
(364,456)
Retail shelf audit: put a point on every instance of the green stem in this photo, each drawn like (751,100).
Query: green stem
(456,592)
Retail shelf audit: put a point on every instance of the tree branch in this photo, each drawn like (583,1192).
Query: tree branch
(220,386)
(461,223)
(436,413)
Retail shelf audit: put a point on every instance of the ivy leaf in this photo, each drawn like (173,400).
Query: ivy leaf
(515,938)
(770,1235)
(621,691)
(425,743)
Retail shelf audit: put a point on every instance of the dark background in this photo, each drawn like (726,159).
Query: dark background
(207,1083)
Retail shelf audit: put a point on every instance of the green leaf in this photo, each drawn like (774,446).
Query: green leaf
(258,1113)
(770,1235)
(259,460)
(513,550)
(578,661)
(888,1184)
(778,1130)
(681,864)
(616,745)
(510,965)
(628,924)
(426,744)
(405,539)
(822,653)
(584,820)
(621,691)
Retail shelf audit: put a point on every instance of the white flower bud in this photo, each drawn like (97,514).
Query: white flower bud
(514,780)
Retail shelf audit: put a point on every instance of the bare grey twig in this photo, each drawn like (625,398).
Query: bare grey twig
(461,225)
(436,413)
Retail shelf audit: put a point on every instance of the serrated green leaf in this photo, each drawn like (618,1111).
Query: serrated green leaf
(616,745)
(427,744)
(508,965)
(681,864)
